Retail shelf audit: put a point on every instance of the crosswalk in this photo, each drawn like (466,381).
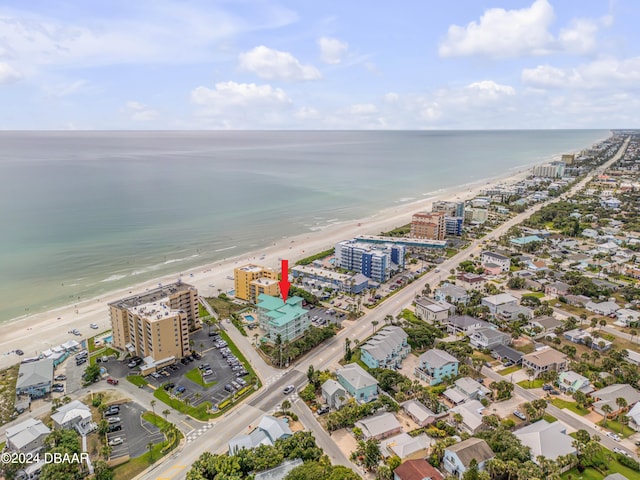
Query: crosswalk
(194,434)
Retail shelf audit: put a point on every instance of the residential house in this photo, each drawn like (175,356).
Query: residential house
(27,436)
(288,320)
(534,285)
(488,338)
(507,354)
(379,426)
(464,324)
(608,396)
(404,446)
(451,293)
(570,382)
(634,417)
(471,281)
(493,302)
(537,265)
(549,440)
(74,415)
(577,300)
(280,472)
(267,432)
(603,308)
(503,262)
(582,336)
(35,378)
(471,388)
(545,359)
(333,394)
(610,202)
(418,469)
(359,383)
(513,312)
(471,412)
(627,316)
(457,458)
(604,285)
(545,324)
(386,349)
(434,365)
(556,289)
(432,311)
(419,413)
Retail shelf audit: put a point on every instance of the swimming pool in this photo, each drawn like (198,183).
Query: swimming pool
(249,318)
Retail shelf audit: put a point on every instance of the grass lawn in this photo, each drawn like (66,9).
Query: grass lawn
(549,418)
(137,465)
(137,380)
(511,369)
(623,430)
(199,412)
(194,376)
(592,474)
(534,294)
(536,383)
(90,345)
(223,307)
(528,348)
(8,379)
(573,406)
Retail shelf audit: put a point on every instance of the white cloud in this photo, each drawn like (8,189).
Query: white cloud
(271,64)
(579,37)
(362,109)
(139,112)
(241,105)
(602,73)
(491,89)
(503,33)
(332,50)
(391,97)
(8,74)
(306,113)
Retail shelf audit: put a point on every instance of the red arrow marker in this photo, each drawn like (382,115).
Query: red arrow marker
(284,281)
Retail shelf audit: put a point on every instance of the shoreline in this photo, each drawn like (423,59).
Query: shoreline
(43,330)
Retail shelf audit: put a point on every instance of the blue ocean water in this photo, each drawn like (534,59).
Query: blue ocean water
(83,213)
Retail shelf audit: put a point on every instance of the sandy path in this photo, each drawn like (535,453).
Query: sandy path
(42,331)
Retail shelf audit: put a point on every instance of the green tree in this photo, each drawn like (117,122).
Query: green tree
(286,405)
(102,471)
(92,373)
(607,410)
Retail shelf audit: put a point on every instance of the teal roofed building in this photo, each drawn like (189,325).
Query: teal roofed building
(289,319)
(526,240)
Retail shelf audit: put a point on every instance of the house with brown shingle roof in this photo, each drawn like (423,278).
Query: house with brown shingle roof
(457,458)
(544,360)
(418,469)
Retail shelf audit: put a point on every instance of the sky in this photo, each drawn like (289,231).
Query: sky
(330,64)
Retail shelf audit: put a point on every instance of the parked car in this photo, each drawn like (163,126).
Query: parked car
(288,389)
(323,410)
(228,387)
(115,441)
(169,386)
(547,388)
(114,428)
(94,326)
(615,436)
(60,377)
(113,420)
(19,352)
(519,414)
(57,389)
(206,372)
(241,381)
(112,381)
(180,389)
(196,355)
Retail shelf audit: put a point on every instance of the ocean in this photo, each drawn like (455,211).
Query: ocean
(84,213)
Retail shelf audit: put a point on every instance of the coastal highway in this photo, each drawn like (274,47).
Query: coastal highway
(237,421)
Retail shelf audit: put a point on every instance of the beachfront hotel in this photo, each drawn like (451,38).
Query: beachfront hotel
(374,262)
(156,323)
(252,280)
(450,209)
(430,225)
(289,320)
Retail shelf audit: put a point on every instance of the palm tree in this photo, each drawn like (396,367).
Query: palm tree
(255,338)
(166,413)
(607,410)
(150,447)
(374,324)
(153,407)
(457,418)
(530,373)
(286,405)
(622,403)
(603,323)
(633,332)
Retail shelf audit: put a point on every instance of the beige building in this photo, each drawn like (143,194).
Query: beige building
(252,280)
(157,323)
(545,359)
(429,225)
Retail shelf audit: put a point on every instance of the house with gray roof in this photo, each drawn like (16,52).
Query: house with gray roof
(432,311)
(603,308)
(333,394)
(27,437)
(267,432)
(35,378)
(434,365)
(608,396)
(74,415)
(404,445)
(457,457)
(488,338)
(513,312)
(471,412)
(451,293)
(379,426)
(358,382)
(546,323)
(279,472)
(493,302)
(386,349)
(464,324)
(549,440)
(507,354)
(419,413)
(502,261)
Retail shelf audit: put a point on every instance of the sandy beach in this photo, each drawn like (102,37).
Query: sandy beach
(44,330)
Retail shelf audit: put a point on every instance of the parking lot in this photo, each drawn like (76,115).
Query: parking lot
(321,317)
(136,433)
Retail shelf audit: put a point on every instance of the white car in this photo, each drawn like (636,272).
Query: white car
(615,436)
(113,420)
(115,441)
(94,326)
(288,389)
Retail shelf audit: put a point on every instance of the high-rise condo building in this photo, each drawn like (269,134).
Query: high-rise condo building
(373,261)
(252,280)
(156,323)
(451,209)
(429,225)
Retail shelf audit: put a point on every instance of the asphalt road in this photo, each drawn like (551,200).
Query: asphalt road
(237,421)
